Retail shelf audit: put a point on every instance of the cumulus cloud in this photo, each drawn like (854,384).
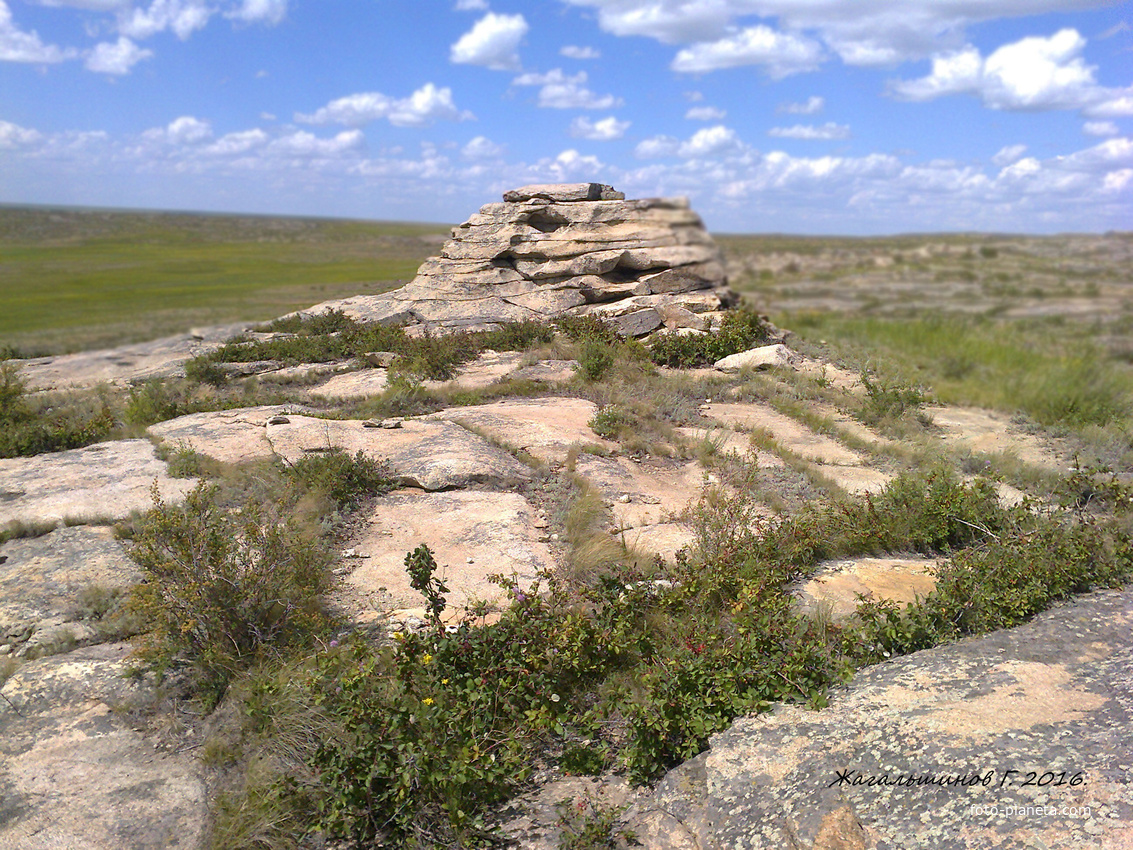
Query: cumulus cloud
(185,130)
(13,136)
(1100,128)
(183,17)
(420,109)
(709,142)
(572,51)
(1032,74)
(810,106)
(260,11)
(492,42)
(471,5)
(605,130)
(829,130)
(705,113)
(235,144)
(868,32)
(562,91)
(118,57)
(781,54)
(19,46)
(656,147)
(1009,154)
(481,147)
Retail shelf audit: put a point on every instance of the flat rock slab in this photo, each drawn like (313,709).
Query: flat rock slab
(361,384)
(43,578)
(487,369)
(664,539)
(75,775)
(1041,714)
(789,433)
(105,481)
(472,534)
(835,587)
(427,454)
(545,428)
(159,358)
(230,436)
(985,431)
(857,479)
(728,442)
(642,494)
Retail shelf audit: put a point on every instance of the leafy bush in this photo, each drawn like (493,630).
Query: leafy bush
(50,426)
(343,478)
(154,401)
(595,359)
(739,331)
(224,590)
(887,399)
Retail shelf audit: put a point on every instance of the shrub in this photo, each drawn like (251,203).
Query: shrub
(223,590)
(343,478)
(154,401)
(739,331)
(887,399)
(54,426)
(595,359)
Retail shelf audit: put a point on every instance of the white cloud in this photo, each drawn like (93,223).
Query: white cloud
(423,107)
(827,131)
(1100,128)
(572,51)
(705,113)
(605,130)
(116,58)
(1009,154)
(19,46)
(257,11)
(780,53)
(184,17)
(560,91)
(866,32)
(812,105)
(1031,74)
(656,147)
(471,5)
(481,147)
(304,144)
(188,130)
(233,144)
(13,136)
(492,42)
(710,141)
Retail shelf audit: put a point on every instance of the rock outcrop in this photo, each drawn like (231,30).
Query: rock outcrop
(565,249)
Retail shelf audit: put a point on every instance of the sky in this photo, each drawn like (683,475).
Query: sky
(855,117)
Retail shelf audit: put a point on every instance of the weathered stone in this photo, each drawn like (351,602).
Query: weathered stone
(638,323)
(835,587)
(74,772)
(500,264)
(564,192)
(544,428)
(763,357)
(473,534)
(360,384)
(674,316)
(426,454)
(230,436)
(105,481)
(48,583)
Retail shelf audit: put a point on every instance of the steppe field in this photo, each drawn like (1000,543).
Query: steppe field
(359,584)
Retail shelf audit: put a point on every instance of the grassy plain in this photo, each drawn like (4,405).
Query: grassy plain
(76,279)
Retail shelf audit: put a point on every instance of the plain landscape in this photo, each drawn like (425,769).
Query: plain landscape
(940,449)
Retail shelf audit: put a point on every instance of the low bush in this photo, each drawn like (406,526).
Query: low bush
(344,479)
(739,331)
(48,425)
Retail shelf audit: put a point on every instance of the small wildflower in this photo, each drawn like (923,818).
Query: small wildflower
(426,658)
(427,700)
(333,644)
(554,697)
(444,681)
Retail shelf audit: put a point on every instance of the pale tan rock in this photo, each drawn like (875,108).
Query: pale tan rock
(544,428)
(563,192)
(103,482)
(788,432)
(472,534)
(835,586)
(986,431)
(763,357)
(230,436)
(77,775)
(361,384)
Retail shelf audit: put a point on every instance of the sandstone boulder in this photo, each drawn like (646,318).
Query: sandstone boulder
(567,249)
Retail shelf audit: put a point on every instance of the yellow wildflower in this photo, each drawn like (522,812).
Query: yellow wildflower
(426,658)
(427,700)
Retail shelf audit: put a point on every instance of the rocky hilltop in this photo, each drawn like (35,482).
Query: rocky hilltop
(564,249)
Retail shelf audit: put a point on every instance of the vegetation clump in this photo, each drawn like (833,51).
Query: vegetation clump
(47,425)
(739,330)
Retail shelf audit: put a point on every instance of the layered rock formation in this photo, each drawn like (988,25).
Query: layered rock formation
(564,249)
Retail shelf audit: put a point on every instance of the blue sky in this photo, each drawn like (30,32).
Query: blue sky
(803,116)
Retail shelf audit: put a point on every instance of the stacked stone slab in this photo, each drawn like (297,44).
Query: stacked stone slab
(565,249)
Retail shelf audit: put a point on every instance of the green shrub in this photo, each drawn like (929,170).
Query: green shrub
(595,359)
(609,421)
(887,399)
(51,426)
(223,590)
(739,331)
(154,401)
(585,824)
(344,479)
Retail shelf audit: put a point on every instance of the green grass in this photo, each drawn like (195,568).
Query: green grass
(108,278)
(1048,370)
